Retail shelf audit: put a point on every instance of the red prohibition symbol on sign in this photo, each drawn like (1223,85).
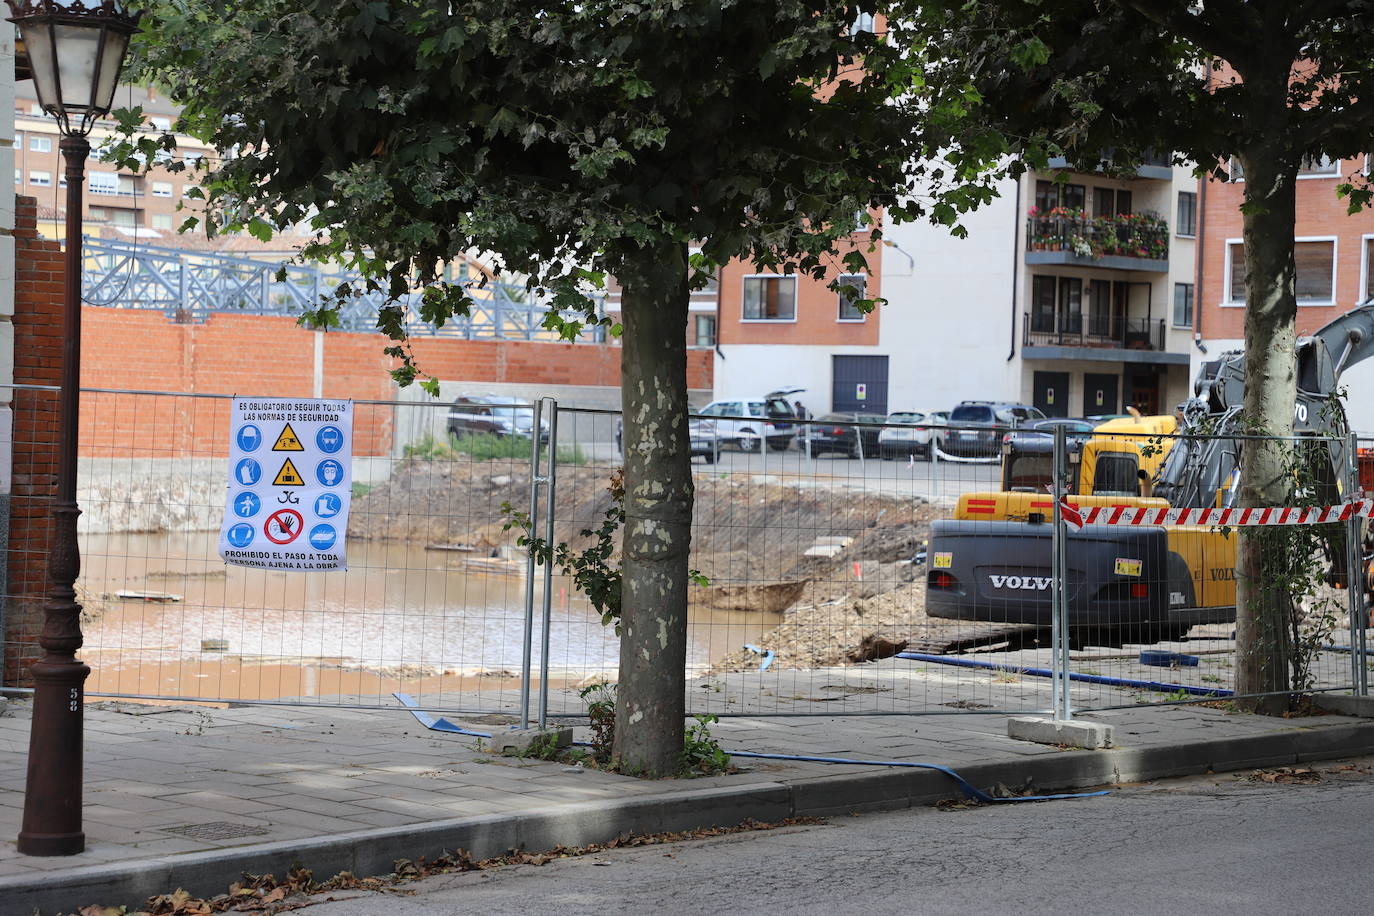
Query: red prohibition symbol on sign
(283,526)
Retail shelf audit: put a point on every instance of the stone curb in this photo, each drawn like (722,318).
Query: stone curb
(372,852)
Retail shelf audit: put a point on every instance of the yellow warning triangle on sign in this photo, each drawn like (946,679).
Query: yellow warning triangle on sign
(288,476)
(287,441)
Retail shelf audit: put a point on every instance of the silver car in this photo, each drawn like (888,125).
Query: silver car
(911,433)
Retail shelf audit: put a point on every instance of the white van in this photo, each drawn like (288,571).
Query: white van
(748,422)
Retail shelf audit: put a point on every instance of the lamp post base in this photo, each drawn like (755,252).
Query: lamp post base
(52,803)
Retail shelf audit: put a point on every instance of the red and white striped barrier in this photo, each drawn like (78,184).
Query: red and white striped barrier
(1079,516)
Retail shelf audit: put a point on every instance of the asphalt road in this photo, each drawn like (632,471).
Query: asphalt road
(1210,845)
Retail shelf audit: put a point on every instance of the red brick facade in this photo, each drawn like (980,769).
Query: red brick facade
(37,361)
(1320,214)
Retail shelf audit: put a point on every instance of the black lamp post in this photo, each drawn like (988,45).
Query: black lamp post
(76,50)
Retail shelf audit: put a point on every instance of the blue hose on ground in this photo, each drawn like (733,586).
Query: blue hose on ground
(438,725)
(1347,649)
(444,725)
(1085,678)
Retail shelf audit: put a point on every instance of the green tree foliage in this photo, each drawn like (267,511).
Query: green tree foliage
(571,140)
(1266,85)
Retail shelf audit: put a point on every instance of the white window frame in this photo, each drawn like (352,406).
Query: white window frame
(163,189)
(108,185)
(839,300)
(1302,303)
(1365,266)
(796,305)
(39,143)
(163,217)
(44,182)
(1335,172)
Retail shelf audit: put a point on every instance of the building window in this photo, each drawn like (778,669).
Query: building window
(104,183)
(1051,194)
(1319,167)
(98,214)
(849,310)
(18,178)
(1316,271)
(770,298)
(126,218)
(1187,214)
(1368,269)
(705,329)
(862,23)
(162,221)
(40,179)
(40,144)
(1110,202)
(162,189)
(1183,305)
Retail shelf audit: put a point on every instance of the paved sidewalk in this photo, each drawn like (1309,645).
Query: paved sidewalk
(193,796)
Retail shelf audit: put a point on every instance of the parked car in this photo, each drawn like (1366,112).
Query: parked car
(748,422)
(976,428)
(1042,431)
(705,440)
(842,434)
(494,415)
(914,434)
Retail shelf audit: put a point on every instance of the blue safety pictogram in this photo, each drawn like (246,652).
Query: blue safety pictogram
(249,437)
(328,505)
(247,504)
(247,471)
(329,472)
(240,535)
(330,439)
(322,537)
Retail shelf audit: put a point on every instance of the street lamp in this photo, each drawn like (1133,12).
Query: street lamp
(76,50)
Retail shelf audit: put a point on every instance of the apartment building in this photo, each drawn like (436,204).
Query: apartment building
(144,204)
(1072,291)
(1333,254)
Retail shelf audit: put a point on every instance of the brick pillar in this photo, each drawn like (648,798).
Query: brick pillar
(38,291)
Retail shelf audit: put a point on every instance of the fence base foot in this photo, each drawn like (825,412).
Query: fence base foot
(1345,705)
(530,742)
(1063,734)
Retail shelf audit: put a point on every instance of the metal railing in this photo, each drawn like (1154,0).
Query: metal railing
(189,286)
(822,562)
(1140,236)
(1041,329)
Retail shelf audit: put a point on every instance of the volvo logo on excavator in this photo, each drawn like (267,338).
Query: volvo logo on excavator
(1023,583)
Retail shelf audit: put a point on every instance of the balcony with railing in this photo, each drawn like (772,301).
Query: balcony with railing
(1128,241)
(1102,332)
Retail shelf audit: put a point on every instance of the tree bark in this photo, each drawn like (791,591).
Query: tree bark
(1263,640)
(650,700)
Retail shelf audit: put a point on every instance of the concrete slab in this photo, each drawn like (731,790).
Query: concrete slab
(1074,733)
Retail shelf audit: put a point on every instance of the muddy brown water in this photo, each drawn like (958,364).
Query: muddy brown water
(400,618)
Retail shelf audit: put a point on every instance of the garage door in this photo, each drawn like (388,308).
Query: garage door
(859,383)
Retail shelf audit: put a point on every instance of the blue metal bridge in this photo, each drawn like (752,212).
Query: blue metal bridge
(188,286)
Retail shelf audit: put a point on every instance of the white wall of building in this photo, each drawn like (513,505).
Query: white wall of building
(948,323)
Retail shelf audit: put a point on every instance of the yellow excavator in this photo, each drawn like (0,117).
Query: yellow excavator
(992,561)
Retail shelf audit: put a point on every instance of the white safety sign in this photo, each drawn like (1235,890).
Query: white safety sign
(290,479)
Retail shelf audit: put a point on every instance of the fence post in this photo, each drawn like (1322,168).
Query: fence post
(1359,678)
(1059,605)
(526,650)
(550,492)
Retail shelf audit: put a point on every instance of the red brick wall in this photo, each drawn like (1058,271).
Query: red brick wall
(1320,213)
(37,360)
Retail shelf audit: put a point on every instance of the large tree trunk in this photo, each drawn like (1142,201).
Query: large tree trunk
(1263,644)
(650,701)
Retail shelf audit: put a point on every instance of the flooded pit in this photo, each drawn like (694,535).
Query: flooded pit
(400,618)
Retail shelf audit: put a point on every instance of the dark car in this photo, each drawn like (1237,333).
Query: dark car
(852,434)
(1076,432)
(976,428)
(493,415)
